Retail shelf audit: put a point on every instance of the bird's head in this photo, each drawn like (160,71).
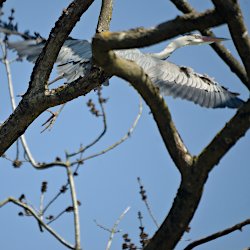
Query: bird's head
(191,39)
(197,39)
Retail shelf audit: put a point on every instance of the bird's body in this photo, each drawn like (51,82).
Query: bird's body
(75,60)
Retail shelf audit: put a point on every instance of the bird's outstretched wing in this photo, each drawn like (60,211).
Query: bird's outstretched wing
(183,82)
(73,61)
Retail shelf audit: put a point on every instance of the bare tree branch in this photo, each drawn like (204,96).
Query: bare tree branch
(105,16)
(75,208)
(183,6)
(14,32)
(33,213)
(234,65)
(41,208)
(222,52)
(224,140)
(140,37)
(113,230)
(217,235)
(237,29)
(180,215)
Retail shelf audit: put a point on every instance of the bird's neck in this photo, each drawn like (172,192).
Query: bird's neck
(166,52)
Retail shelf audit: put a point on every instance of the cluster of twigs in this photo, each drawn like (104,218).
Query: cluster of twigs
(38,214)
(41,215)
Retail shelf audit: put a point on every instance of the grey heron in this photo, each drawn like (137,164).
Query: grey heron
(75,60)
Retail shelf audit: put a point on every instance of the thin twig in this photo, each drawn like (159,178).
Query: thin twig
(56,217)
(143,235)
(33,213)
(41,210)
(52,201)
(75,208)
(103,227)
(124,138)
(13,102)
(113,230)
(219,234)
(44,187)
(52,119)
(17,150)
(145,200)
(63,189)
(103,132)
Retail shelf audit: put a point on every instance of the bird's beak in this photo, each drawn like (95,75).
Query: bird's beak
(210,39)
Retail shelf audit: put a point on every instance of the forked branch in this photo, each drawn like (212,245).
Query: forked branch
(34,214)
(237,29)
(224,140)
(222,52)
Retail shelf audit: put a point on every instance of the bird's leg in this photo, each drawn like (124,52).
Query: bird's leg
(56,79)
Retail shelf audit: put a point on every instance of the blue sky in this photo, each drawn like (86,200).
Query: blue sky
(107,184)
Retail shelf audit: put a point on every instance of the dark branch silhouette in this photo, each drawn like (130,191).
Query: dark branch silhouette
(222,52)
(217,235)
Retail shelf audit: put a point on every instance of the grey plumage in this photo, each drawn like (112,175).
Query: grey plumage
(182,82)
(75,60)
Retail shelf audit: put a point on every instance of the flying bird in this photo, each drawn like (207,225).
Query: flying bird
(75,60)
